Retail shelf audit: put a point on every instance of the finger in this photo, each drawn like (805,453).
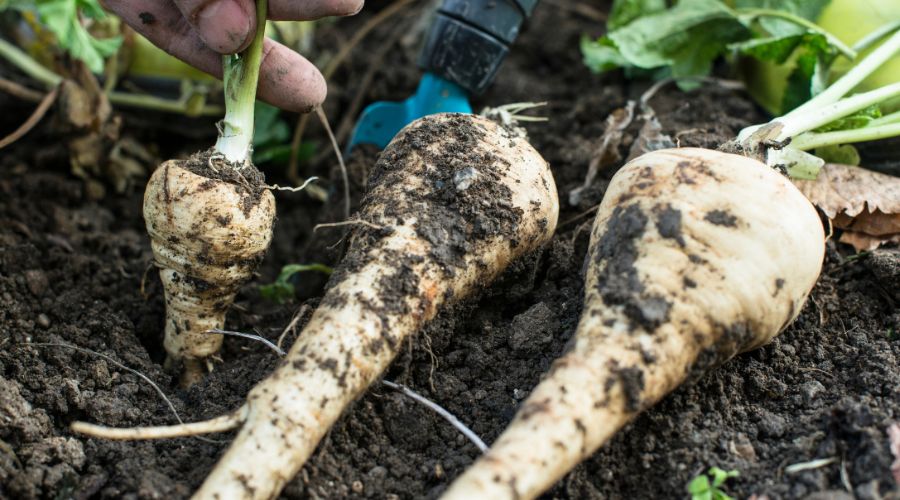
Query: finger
(308,10)
(226,26)
(287,80)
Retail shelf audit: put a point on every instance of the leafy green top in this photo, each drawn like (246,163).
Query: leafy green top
(684,40)
(703,487)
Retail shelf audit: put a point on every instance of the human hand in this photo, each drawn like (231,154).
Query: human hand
(200,31)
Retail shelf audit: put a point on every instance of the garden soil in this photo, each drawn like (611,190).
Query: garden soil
(75,269)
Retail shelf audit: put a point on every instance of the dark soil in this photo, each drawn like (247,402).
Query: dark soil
(75,270)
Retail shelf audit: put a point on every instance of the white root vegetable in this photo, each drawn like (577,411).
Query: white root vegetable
(208,235)
(452,201)
(695,256)
(210,220)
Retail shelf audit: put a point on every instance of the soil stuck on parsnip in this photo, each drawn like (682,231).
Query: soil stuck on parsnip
(71,270)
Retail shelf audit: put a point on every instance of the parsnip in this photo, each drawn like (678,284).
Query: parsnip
(208,235)
(695,256)
(451,202)
(210,221)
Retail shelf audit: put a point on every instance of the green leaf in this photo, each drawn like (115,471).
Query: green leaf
(699,486)
(839,153)
(625,11)
(646,39)
(809,75)
(62,19)
(808,9)
(695,57)
(655,40)
(16,5)
(268,127)
(683,40)
(857,120)
(91,9)
(798,89)
(271,136)
(601,55)
(280,154)
(282,289)
(775,49)
(277,292)
(720,476)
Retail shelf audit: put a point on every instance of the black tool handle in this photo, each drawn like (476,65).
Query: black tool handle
(469,39)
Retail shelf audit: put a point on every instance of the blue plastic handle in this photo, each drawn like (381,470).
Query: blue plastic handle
(381,121)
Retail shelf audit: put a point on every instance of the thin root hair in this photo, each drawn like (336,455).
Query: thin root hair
(449,417)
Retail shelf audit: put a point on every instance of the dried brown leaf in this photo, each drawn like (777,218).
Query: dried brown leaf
(876,223)
(607,151)
(852,190)
(863,242)
(650,138)
(865,204)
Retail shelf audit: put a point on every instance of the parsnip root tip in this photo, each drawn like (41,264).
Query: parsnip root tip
(223,423)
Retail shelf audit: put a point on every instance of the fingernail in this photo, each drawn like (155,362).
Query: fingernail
(223,25)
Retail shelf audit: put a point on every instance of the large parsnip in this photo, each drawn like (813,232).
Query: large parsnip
(695,256)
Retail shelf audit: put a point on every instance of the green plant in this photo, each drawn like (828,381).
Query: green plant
(66,19)
(282,290)
(830,118)
(853,22)
(684,40)
(62,28)
(705,487)
(271,138)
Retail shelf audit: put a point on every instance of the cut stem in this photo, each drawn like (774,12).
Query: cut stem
(240,77)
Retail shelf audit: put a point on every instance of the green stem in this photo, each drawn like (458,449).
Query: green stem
(812,140)
(876,36)
(843,48)
(827,106)
(793,125)
(240,76)
(146,101)
(33,69)
(29,66)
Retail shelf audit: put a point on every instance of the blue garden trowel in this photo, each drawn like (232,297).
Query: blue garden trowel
(464,47)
